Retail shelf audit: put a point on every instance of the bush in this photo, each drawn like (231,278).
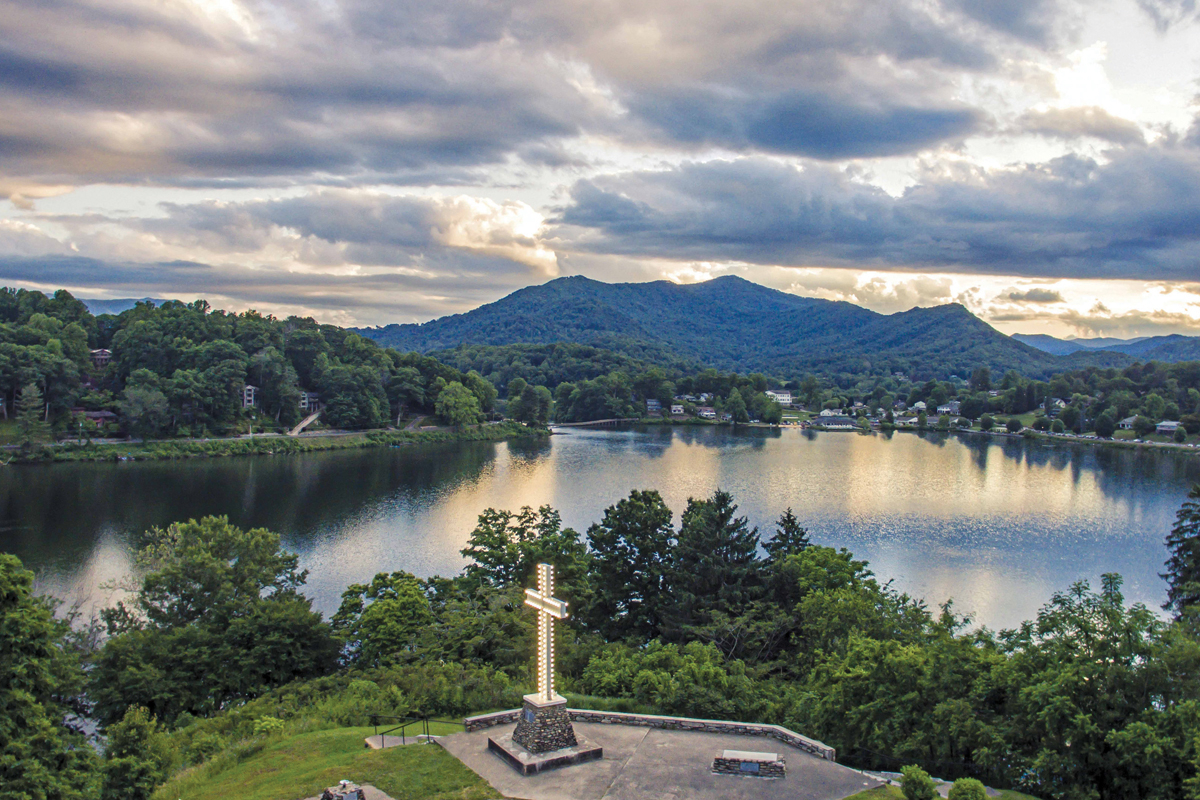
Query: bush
(1106,426)
(967,789)
(1180,435)
(1058,427)
(268,726)
(916,784)
(1041,424)
(1013,425)
(986,422)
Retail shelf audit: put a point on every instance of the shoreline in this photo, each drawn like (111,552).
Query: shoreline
(171,449)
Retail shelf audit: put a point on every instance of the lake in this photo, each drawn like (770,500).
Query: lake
(997,525)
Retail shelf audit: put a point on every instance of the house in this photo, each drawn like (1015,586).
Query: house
(101,357)
(676,409)
(96,418)
(899,405)
(1127,423)
(249,396)
(1167,427)
(837,423)
(726,416)
(706,412)
(781,396)
(310,402)
(831,412)
(951,408)
(704,397)
(919,405)
(653,407)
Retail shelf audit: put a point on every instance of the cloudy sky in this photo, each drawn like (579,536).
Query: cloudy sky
(374,161)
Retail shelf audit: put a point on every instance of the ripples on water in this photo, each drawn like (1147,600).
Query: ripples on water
(996,525)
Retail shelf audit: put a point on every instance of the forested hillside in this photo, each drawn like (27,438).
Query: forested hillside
(733,324)
(181,369)
(1172,349)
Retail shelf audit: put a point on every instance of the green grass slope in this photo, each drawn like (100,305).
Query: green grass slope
(294,767)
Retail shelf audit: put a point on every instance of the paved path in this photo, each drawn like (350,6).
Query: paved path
(370,791)
(651,764)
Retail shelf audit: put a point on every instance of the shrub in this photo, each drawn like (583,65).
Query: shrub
(916,784)
(1106,426)
(1058,427)
(986,422)
(1041,424)
(967,789)
(268,726)
(1013,425)
(1180,435)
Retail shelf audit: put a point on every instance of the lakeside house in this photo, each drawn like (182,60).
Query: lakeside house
(249,396)
(951,409)
(653,407)
(706,412)
(310,402)
(781,396)
(919,406)
(1167,427)
(676,409)
(101,357)
(1127,423)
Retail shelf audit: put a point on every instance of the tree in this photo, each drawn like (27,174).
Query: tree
(1143,426)
(1105,425)
(137,757)
(382,620)
(506,547)
(457,405)
(39,752)
(144,410)
(916,784)
(1180,435)
(32,428)
(1013,425)
(922,420)
(789,538)
(1183,566)
(631,558)
(716,562)
(215,618)
(735,406)
(981,380)
(986,422)
(1058,427)
(967,789)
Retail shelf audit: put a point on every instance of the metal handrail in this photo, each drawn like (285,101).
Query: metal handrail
(405,722)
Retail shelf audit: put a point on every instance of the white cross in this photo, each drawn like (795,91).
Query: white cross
(549,608)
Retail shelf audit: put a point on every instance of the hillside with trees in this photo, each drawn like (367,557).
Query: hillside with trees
(180,370)
(733,324)
(215,654)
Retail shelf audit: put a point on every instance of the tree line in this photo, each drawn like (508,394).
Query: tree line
(180,370)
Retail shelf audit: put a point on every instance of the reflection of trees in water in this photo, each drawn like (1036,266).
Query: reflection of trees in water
(56,514)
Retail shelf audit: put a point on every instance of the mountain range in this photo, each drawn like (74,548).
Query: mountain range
(734,324)
(1174,347)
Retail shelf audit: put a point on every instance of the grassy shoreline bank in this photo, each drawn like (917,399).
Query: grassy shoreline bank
(268,445)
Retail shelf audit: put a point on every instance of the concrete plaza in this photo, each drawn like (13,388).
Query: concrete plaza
(642,763)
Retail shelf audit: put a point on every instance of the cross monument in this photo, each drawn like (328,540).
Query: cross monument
(549,609)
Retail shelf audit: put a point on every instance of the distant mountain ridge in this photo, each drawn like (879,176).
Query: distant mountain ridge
(734,324)
(1171,348)
(98,307)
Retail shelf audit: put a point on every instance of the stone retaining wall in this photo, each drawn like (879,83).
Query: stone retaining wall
(818,749)
(764,769)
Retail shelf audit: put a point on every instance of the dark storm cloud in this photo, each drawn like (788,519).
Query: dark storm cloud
(1034,295)
(1072,123)
(376,90)
(1137,216)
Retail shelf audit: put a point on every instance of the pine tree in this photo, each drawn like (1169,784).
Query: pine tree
(1183,567)
(789,538)
(32,427)
(716,562)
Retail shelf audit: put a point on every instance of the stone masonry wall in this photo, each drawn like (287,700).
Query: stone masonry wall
(733,766)
(819,749)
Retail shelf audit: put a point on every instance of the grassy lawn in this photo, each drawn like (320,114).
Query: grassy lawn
(894,793)
(294,767)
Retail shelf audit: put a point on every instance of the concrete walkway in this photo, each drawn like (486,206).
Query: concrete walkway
(370,791)
(652,764)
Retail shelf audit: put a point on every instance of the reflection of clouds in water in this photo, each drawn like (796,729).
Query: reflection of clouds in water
(997,525)
(79,584)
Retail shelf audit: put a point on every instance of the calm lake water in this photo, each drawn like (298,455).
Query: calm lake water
(996,525)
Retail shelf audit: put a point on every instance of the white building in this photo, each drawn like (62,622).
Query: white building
(1127,423)
(677,408)
(249,396)
(919,405)
(781,396)
(1167,427)
(951,408)
(706,412)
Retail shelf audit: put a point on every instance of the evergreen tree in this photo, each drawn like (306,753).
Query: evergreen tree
(789,538)
(735,406)
(716,562)
(1183,567)
(631,552)
(137,757)
(32,427)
